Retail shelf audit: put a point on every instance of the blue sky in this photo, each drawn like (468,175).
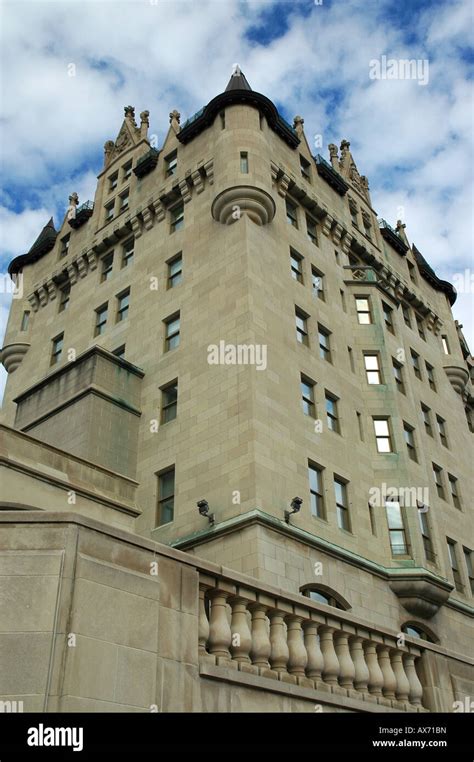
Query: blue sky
(412,141)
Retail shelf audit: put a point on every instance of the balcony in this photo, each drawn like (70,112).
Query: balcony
(392,237)
(329,174)
(83,213)
(146,163)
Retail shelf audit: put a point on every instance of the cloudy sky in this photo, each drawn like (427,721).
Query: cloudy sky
(311,57)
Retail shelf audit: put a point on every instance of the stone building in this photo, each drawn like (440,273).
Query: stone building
(235,444)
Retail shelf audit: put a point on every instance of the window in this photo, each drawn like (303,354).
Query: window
(113,182)
(172,332)
(169,402)
(107,265)
(426,534)
(177,217)
(101,319)
(415,361)
(322,594)
(342,506)
(305,167)
(127,170)
(372,369)
(175,271)
(453,487)
(64,250)
(382,435)
(56,349)
(410,441)
(396,528)
(123,303)
(311,230)
(127,252)
(25,321)
(324,344)
(388,317)
(453,560)
(367,226)
(291,214)
(315,474)
(165,497)
(398,375)
(444,342)
(406,315)
(332,413)
(109,211)
(120,352)
(430,374)
(411,271)
(296,263)
(171,164)
(351,358)
(364,316)
(353,211)
(244,162)
(442,430)
(419,325)
(317,281)
(307,396)
(301,326)
(417,632)
(438,478)
(426,415)
(64,296)
(469,567)
(123,201)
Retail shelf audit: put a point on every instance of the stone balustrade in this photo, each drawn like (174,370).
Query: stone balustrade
(306,645)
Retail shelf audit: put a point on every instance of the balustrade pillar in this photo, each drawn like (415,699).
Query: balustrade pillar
(279,653)
(331,663)
(416,689)
(361,671)
(389,679)
(315,664)
(241,639)
(203,620)
(261,646)
(375,673)
(219,628)
(298,657)
(403,686)
(347,669)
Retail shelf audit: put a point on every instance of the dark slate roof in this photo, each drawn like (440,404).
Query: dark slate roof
(238,81)
(429,274)
(43,244)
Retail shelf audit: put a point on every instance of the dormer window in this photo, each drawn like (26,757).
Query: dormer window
(305,167)
(64,246)
(353,211)
(171,163)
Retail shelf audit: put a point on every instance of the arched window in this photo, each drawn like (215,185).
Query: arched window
(325,594)
(414,630)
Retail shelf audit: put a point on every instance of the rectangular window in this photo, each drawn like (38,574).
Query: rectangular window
(382,435)
(453,487)
(64,297)
(426,535)
(165,497)
(469,568)
(169,402)
(175,271)
(324,344)
(332,413)
(311,230)
(453,561)
(388,317)
(307,396)
(410,441)
(172,332)
(177,217)
(342,505)
(113,182)
(398,375)
(367,227)
(120,352)
(171,164)
(305,167)
(64,250)
(291,214)
(123,304)
(442,430)
(415,361)
(56,349)
(127,252)
(396,528)
(301,319)
(444,342)
(109,211)
(25,321)
(430,374)
(123,201)
(406,315)
(411,271)
(354,217)
(438,478)
(372,369)
(426,415)
(107,266)
(317,282)
(364,316)
(296,264)
(244,162)
(101,319)
(315,474)
(420,327)
(127,171)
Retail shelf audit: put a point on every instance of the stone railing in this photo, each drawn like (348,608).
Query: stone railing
(305,644)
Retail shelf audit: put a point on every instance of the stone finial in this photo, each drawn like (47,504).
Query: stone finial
(298,122)
(144,123)
(109,146)
(333,155)
(129,113)
(73,202)
(345,145)
(175,117)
